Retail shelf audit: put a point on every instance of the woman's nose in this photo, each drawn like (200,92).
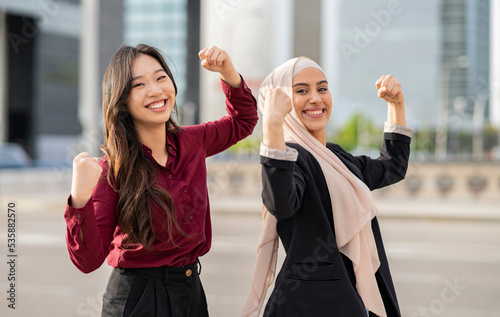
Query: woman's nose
(154,89)
(315,98)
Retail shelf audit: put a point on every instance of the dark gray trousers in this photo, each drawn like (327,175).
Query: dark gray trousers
(155,292)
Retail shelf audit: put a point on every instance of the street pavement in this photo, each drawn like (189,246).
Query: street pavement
(441,265)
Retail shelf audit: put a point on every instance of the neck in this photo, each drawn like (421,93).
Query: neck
(154,138)
(320,136)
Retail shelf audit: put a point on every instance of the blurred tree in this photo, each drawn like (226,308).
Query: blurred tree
(246,148)
(424,141)
(357,133)
(491,137)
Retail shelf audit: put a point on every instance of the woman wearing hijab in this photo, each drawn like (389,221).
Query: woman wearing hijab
(317,200)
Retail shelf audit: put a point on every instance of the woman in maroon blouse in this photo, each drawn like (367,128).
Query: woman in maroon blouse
(144,205)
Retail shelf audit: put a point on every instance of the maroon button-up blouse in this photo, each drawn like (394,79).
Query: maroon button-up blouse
(184,177)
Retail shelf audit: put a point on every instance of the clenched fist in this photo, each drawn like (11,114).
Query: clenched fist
(277,105)
(86,173)
(389,89)
(215,59)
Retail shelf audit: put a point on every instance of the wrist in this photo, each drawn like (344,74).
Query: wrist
(79,197)
(274,141)
(78,201)
(398,104)
(232,78)
(272,123)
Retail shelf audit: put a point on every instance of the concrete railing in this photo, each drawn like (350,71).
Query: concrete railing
(233,178)
(234,186)
(453,181)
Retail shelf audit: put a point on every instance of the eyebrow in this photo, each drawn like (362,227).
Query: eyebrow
(317,84)
(155,72)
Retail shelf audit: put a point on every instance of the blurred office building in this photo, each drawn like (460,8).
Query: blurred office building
(495,64)
(173,26)
(464,78)
(438,50)
(52,56)
(355,42)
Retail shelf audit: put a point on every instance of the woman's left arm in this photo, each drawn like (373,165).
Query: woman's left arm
(217,136)
(392,164)
(390,90)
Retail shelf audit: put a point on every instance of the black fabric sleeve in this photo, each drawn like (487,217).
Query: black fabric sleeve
(389,168)
(283,186)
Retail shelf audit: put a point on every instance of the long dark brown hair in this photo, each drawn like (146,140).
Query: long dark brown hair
(130,172)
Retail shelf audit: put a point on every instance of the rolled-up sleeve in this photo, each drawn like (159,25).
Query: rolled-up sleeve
(390,127)
(290,154)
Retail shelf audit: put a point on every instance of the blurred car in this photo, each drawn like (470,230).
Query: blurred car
(12,155)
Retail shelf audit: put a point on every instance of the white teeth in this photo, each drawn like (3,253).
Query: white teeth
(157,105)
(317,112)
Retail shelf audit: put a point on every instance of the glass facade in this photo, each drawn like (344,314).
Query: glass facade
(41,80)
(377,38)
(43,106)
(438,50)
(464,81)
(163,24)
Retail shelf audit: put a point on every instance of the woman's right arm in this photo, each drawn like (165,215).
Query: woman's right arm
(282,181)
(90,214)
(277,106)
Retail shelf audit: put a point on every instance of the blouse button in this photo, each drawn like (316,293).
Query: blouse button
(78,216)
(190,217)
(185,190)
(170,176)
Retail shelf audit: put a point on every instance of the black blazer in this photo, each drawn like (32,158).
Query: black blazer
(316,279)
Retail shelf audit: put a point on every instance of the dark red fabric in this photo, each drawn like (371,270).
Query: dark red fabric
(184,177)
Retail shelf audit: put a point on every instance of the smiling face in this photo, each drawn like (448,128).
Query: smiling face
(312,101)
(152,94)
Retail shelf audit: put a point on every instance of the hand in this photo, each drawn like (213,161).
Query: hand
(86,173)
(215,59)
(390,90)
(277,105)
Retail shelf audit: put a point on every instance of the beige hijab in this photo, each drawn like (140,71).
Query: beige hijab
(352,204)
